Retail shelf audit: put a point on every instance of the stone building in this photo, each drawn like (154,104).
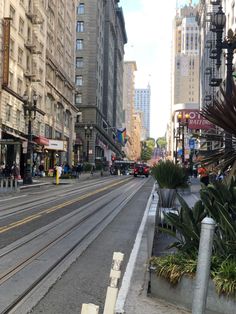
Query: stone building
(100,43)
(38,59)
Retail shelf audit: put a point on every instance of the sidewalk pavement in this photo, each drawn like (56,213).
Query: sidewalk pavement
(138,301)
(40,181)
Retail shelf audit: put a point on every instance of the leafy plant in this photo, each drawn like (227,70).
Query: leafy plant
(173,267)
(222,113)
(225,277)
(219,201)
(169,175)
(187,226)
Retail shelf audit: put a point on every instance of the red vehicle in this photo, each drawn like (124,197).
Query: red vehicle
(141,170)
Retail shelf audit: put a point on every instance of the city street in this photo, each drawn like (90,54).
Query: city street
(45,229)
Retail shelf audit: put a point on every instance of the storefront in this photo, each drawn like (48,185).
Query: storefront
(54,154)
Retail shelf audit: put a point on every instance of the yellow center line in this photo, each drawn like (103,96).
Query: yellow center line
(54,208)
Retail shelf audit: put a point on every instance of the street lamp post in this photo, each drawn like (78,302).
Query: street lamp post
(182,124)
(176,138)
(228,44)
(30,109)
(88,131)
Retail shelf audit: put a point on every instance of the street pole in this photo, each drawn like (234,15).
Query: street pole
(28,167)
(203,266)
(229,88)
(183,149)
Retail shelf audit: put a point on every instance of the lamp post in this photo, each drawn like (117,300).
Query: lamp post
(30,109)
(183,122)
(176,137)
(228,44)
(88,131)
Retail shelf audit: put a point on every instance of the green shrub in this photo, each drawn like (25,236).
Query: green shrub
(225,277)
(173,267)
(87,166)
(169,175)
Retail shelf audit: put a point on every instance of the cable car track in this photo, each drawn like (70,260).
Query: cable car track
(119,200)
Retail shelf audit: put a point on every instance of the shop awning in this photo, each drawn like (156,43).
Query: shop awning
(41,140)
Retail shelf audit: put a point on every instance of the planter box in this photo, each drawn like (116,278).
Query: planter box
(167,197)
(182,295)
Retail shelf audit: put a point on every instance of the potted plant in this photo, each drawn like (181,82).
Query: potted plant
(169,177)
(217,201)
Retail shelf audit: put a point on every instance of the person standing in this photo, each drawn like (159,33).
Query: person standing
(204,175)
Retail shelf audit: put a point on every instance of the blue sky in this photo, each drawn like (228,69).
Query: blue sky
(149,30)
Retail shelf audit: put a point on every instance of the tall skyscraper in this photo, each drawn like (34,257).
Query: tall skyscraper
(99,78)
(142,103)
(185,67)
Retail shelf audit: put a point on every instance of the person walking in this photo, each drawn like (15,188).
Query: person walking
(204,175)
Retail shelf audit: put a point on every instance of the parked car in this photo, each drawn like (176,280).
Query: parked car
(141,170)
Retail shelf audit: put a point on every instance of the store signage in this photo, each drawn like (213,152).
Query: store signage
(41,140)
(6,50)
(55,145)
(197,121)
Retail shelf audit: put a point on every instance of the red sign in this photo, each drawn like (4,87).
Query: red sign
(197,121)
(42,140)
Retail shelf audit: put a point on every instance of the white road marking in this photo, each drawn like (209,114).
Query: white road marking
(123,292)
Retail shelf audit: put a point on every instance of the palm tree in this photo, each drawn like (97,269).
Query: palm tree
(222,113)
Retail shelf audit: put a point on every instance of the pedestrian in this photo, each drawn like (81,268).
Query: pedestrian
(78,170)
(204,175)
(92,170)
(2,169)
(59,170)
(41,170)
(15,171)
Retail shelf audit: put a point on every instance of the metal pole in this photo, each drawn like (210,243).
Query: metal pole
(203,266)
(28,166)
(229,87)
(183,152)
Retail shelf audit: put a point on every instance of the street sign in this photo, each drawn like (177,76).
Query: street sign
(192,143)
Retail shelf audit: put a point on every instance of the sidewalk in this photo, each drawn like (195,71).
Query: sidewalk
(138,301)
(39,181)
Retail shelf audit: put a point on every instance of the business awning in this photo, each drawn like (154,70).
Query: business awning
(41,140)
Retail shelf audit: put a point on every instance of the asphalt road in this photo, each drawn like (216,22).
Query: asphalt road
(87,279)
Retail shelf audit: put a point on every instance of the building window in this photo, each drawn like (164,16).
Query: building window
(80,27)
(78,99)
(79,44)
(12,47)
(79,63)
(80,8)
(8,113)
(11,76)
(19,86)
(79,80)
(21,26)
(20,56)
(18,118)
(12,14)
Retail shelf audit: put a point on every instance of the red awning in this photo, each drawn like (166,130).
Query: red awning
(41,140)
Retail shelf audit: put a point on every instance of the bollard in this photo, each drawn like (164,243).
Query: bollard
(89,308)
(112,290)
(203,266)
(57,176)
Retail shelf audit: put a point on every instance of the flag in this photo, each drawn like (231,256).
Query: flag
(121,136)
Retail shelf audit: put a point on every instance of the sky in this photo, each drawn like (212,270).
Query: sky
(149,30)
